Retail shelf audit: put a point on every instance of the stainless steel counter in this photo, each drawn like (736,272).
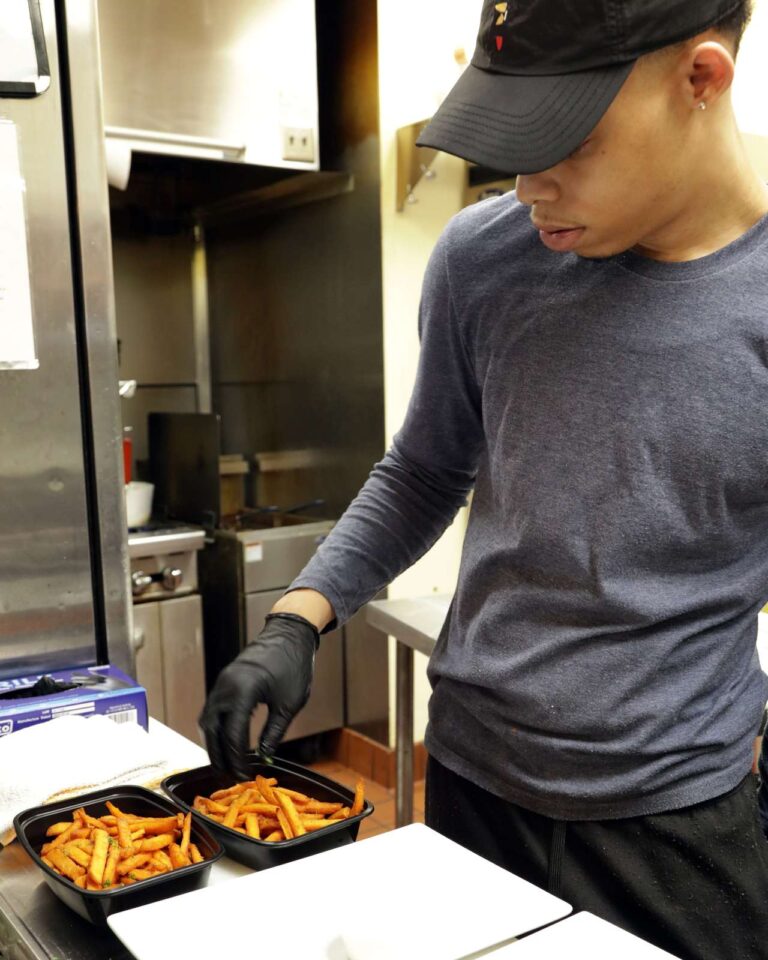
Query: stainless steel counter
(35,925)
(415,625)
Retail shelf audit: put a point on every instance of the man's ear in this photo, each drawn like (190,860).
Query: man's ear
(710,72)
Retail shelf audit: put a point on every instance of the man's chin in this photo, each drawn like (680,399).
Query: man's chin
(596,250)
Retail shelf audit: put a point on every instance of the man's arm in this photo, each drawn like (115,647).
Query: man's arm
(414,493)
(309,604)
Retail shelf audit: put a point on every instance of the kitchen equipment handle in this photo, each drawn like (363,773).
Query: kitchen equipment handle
(170,577)
(140,582)
(175,139)
(138,639)
(307,505)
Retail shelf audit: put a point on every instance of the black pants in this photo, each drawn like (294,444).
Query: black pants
(694,881)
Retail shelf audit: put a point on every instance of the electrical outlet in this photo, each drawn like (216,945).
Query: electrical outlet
(298,144)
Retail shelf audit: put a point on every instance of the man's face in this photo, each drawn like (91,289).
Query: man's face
(631,177)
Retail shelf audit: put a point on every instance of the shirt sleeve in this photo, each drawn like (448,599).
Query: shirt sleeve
(413,494)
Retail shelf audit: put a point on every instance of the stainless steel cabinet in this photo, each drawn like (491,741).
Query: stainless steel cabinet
(168,646)
(148,656)
(181,627)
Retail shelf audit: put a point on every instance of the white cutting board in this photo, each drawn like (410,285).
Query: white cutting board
(582,935)
(405,895)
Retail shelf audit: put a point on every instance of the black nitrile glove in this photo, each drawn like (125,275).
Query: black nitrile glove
(276,669)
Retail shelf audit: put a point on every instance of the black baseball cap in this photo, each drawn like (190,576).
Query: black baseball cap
(545,71)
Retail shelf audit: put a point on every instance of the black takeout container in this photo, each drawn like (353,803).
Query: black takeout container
(203,781)
(96,905)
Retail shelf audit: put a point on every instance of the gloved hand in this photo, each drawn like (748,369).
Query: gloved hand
(275,669)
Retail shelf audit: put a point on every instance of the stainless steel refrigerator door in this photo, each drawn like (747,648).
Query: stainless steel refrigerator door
(94,248)
(46,601)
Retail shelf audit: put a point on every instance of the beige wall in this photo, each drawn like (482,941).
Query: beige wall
(749,89)
(416,69)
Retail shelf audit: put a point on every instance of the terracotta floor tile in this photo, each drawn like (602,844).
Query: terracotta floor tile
(346,776)
(383,800)
(368,829)
(376,793)
(385,811)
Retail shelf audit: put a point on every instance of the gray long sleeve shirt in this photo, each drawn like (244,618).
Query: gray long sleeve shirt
(599,657)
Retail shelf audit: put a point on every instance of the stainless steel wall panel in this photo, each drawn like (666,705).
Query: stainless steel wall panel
(46,601)
(154,305)
(296,333)
(166,399)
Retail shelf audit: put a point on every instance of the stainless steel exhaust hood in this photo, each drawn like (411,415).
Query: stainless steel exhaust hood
(232,80)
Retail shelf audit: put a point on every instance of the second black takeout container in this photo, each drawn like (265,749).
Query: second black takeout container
(203,781)
(96,905)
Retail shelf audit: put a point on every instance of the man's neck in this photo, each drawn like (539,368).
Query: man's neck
(728,199)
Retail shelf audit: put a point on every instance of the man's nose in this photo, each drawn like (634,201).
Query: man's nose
(534,188)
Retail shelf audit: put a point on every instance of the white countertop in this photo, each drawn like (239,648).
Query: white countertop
(409,894)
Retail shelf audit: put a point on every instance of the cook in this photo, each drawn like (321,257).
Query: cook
(594,365)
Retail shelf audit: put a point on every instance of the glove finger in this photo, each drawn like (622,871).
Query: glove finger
(235,739)
(210,723)
(274,731)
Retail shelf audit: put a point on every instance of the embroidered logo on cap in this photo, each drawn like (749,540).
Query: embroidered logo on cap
(503,11)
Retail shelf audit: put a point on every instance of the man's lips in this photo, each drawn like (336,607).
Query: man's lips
(559,239)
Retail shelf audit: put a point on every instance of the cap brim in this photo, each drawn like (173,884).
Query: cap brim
(521,124)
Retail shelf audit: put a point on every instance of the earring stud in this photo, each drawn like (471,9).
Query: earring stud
(702,105)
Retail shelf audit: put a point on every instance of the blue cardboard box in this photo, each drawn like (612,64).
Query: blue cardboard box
(83,690)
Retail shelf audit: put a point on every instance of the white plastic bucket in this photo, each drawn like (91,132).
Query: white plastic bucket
(138,502)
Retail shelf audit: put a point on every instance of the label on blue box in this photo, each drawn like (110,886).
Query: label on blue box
(84,691)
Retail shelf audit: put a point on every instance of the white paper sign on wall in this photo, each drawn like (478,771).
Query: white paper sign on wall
(18,58)
(17,338)
(24,67)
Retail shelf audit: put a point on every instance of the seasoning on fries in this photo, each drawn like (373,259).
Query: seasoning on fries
(118,848)
(263,810)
